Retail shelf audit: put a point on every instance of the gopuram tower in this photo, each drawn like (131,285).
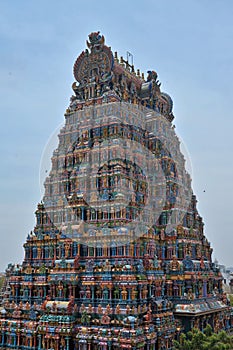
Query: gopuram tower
(118,257)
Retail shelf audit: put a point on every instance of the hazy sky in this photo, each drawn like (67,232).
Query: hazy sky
(190,45)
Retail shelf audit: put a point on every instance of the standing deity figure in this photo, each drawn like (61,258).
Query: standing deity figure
(107,266)
(144,292)
(88,293)
(76,261)
(116,293)
(128,309)
(134,310)
(60,290)
(134,293)
(90,265)
(82,308)
(90,309)
(105,293)
(124,293)
(108,310)
(39,252)
(99,309)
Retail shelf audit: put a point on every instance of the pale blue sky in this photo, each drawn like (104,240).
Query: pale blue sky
(190,45)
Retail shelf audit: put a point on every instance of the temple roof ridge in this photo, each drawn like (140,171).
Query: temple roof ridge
(100,76)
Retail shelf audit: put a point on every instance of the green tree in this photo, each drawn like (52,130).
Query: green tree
(206,340)
(231,299)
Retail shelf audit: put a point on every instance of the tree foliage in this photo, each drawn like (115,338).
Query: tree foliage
(206,340)
(230,296)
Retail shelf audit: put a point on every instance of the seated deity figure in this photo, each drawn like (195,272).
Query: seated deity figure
(174,264)
(118,309)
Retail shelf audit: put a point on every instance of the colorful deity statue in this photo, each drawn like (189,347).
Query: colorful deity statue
(174,264)
(124,293)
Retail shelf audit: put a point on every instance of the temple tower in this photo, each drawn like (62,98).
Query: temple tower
(118,257)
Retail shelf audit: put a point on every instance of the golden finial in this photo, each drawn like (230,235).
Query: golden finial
(143,76)
(138,72)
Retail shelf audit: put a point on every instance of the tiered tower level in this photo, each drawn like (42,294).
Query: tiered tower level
(118,256)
